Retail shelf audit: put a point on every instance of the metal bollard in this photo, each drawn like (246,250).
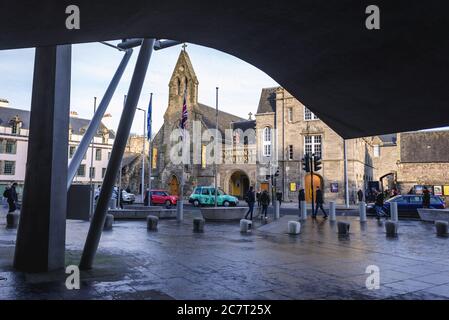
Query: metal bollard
(245,225)
(152,223)
(303,210)
(276,210)
(108,222)
(332,214)
(394,211)
(180,209)
(391,228)
(343,228)
(441,228)
(198,225)
(12,220)
(362,211)
(294,227)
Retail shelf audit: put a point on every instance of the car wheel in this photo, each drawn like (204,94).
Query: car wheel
(226,204)
(196,203)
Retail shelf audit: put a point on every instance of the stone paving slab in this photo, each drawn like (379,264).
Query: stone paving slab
(222,263)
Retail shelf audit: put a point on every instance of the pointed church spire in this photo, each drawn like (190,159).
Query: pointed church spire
(183,77)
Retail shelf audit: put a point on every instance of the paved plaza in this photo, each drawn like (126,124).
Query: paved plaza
(222,263)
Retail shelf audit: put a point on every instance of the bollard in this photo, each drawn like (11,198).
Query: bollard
(394,211)
(294,227)
(441,228)
(276,210)
(12,220)
(303,210)
(343,228)
(332,214)
(391,228)
(198,225)
(152,223)
(180,209)
(362,211)
(108,222)
(245,225)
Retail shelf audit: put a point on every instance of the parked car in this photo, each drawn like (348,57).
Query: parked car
(203,196)
(163,197)
(127,197)
(408,204)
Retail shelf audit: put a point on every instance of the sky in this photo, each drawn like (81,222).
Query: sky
(94,64)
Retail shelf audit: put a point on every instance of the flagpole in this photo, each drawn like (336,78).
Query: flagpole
(150,152)
(183,124)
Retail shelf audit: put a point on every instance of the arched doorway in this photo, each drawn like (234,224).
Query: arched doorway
(239,184)
(317,181)
(173,186)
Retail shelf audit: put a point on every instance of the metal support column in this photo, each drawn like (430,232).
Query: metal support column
(135,88)
(40,244)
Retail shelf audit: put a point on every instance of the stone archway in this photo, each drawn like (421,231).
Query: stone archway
(173,185)
(317,181)
(239,184)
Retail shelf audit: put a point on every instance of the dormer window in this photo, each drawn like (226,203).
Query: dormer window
(16,124)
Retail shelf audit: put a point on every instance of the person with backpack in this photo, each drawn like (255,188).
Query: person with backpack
(11,196)
(378,205)
(265,202)
(250,199)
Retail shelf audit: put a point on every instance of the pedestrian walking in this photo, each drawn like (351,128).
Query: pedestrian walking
(319,203)
(11,196)
(378,205)
(360,195)
(425,198)
(265,202)
(250,199)
(301,197)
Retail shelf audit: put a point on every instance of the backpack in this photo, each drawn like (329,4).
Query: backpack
(6,193)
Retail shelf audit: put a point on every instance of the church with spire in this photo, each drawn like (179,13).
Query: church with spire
(166,174)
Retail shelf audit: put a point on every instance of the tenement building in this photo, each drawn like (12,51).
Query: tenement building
(14,129)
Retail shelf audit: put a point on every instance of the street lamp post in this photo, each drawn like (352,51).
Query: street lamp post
(143,152)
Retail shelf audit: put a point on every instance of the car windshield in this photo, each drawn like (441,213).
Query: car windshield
(397,199)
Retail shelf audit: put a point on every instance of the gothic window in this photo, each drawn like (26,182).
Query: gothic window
(309,115)
(312,145)
(290,152)
(267,141)
(178,84)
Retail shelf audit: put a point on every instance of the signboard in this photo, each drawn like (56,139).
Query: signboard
(293,186)
(437,190)
(334,187)
(446,190)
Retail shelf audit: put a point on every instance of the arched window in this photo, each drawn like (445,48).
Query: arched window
(267,141)
(186,83)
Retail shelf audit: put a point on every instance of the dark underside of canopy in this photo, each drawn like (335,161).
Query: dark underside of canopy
(360,82)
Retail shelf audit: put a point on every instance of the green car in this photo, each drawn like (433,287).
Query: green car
(205,196)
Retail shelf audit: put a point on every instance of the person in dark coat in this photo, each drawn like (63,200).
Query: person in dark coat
(426,198)
(11,197)
(265,202)
(250,199)
(279,198)
(379,204)
(360,195)
(319,202)
(301,197)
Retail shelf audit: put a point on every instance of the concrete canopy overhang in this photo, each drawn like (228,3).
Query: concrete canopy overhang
(360,82)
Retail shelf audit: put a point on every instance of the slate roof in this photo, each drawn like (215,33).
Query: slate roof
(244,125)
(224,118)
(7,113)
(388,138)
(267,102)
(425,147)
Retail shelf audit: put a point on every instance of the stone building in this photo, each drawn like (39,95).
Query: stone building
(166,173)
(287,130)
(411,160)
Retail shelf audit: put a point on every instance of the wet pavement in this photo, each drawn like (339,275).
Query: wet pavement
(222,263)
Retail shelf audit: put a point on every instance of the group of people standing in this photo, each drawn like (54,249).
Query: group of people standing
(263,201)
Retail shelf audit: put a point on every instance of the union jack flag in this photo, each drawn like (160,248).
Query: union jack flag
(184,112)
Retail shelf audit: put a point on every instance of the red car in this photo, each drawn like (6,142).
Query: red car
(163,197)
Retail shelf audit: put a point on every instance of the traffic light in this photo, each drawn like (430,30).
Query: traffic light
(316,163)
(306,163)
